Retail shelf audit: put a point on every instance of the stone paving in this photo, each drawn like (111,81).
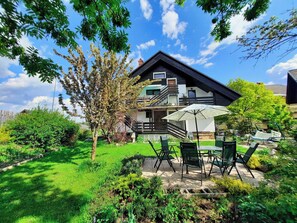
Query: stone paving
(192,180)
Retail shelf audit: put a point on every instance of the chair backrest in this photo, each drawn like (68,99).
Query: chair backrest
(229,153)
(250,151)
(164,143)
(219,141)
(153,148)
(190,154)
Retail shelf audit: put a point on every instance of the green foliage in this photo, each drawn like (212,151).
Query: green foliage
(4,135)
(267,163)
(223,11)
(287,147)
(257,104)
(49,19)
(177,209)
(107,214)
(254,162)
(132,165)
(90,166)
(270,36)
(12,153)
(140,139)
(84,134)
(43,128)
(233,186)
(270,204)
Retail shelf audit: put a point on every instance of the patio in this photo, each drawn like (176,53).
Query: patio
(192,180)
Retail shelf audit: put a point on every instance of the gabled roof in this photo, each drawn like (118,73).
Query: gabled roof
(278,89)
(186,70)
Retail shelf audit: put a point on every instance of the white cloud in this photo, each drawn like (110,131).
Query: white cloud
(283,67)
(146,45)
(146,9)
(183,47)
(208,64)
(191,61)
(270,83)
(19,91)
(5,63)
(239,27)
(172,27)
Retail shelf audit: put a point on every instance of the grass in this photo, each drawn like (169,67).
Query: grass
(56,188)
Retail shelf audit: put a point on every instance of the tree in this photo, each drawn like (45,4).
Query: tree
(223,10)
(263,39)
(48,18)
(101,87)
(257,103)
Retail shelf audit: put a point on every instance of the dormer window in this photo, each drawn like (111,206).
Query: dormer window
(159,75)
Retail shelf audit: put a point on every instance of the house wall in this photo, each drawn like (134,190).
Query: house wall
(199,92)
(169,74)
(141,116)
(221,100)
(291,90)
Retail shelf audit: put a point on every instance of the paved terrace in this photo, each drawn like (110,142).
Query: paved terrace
(171,179)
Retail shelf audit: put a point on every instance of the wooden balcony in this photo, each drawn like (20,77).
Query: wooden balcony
(198,100)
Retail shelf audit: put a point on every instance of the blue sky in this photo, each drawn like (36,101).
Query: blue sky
(182,32)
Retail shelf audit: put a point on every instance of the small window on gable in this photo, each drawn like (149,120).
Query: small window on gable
(159,75)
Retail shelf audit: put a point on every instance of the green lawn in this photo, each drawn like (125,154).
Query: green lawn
(55,189)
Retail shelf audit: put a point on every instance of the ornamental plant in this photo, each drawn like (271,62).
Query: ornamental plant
(42,128)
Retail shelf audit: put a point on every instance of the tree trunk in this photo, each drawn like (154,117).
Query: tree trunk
(94,146)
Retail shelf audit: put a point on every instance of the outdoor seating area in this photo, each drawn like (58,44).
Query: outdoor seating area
(194,169)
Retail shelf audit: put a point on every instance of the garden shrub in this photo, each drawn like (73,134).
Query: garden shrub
(43,128)
(287,147)
(84,134)
(4,135)
(267,163)
(233,186)
(132,165)
(254,162)
(11,153)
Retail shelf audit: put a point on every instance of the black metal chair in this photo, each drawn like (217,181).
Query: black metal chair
(219,141)
(161,155)
(191,157)
(227,159)
(244,158)
(165,146)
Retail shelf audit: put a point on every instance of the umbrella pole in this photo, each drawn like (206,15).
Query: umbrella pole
(197,131)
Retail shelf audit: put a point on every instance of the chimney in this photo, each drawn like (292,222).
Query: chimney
(140,62)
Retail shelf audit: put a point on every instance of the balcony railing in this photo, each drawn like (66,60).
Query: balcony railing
(197,100)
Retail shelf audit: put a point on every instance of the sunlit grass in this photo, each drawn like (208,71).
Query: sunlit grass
(55,189)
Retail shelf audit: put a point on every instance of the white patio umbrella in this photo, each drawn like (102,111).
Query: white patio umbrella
(197,111)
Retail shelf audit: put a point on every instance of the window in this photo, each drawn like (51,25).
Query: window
(148,114)
(153,92)
(191,94)
(159,75)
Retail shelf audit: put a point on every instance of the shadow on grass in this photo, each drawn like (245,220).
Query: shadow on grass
(27,192)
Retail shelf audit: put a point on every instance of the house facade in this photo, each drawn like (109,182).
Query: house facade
(291,98)
(176,85)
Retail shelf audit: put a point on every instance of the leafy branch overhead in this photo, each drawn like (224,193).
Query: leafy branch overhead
(48,19)
(263,39)
(224,10)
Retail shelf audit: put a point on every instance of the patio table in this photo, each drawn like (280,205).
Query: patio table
(209,148)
